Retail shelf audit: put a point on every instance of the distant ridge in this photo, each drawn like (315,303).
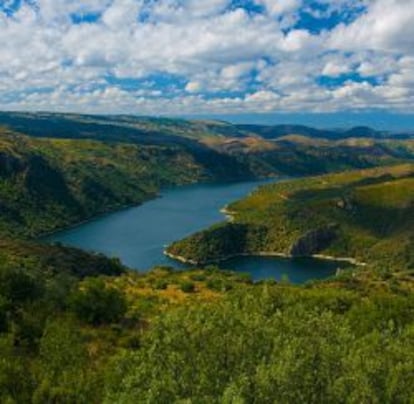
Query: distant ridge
(167,130)
(275,131)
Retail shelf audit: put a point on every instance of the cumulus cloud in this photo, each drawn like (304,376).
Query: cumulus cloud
(191,56)
(334,69)
(280,7)
(386,25)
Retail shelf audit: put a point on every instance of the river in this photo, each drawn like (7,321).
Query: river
(139,235)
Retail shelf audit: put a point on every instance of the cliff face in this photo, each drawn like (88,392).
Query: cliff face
(219,242)
(314,241)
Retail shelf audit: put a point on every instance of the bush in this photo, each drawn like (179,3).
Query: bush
(161,284)
(212,269)
(3,314)
(198,277)
(188,287)
(17,286)
(98,304)
(219,285)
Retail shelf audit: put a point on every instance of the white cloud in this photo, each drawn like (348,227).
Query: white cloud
(203,48)
(122,13)
(280,7)
(334,69)
(387,25)
(193,87)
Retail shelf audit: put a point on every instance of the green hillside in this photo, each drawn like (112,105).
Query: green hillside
(63,169)
(47,184)
(302,155)
(366,215)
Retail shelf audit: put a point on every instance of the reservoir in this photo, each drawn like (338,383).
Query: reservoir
(139,235)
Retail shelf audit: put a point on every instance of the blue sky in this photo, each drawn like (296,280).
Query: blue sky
(324,62)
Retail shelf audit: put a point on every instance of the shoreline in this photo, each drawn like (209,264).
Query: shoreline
(185,260)
(89,219)
(155,195)
(228,214)
(230,217)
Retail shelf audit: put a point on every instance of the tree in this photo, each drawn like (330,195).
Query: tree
(96,303)
(18,286)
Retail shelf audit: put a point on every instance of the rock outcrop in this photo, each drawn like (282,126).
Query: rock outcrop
(314,241)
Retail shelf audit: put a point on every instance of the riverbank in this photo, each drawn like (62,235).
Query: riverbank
(185,260)
(228,214)
(145,199)
(93,217)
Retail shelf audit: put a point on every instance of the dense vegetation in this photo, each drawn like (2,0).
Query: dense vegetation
(77,327)
(270,344)
(201,337)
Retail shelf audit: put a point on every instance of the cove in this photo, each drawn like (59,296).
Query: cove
(139,235)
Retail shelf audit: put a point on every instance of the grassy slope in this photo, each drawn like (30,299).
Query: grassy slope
(371,212)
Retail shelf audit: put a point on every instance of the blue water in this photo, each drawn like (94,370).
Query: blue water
(139,235)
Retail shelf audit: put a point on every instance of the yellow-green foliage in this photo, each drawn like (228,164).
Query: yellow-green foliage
(162,288)
(223,338)
(271,344)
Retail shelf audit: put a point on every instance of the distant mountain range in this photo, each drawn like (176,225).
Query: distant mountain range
(166,130)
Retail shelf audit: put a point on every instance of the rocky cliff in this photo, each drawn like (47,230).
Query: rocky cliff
(314,241)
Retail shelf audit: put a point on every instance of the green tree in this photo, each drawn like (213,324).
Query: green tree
(96,303)
(19,286)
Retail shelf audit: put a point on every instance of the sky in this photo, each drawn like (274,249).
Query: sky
(325,61)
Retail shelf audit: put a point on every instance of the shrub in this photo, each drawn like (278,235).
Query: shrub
(198,277)
(188,287)
(161,284)
(17,286)
(219,285)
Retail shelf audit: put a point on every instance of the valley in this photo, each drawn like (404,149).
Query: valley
(83,325)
